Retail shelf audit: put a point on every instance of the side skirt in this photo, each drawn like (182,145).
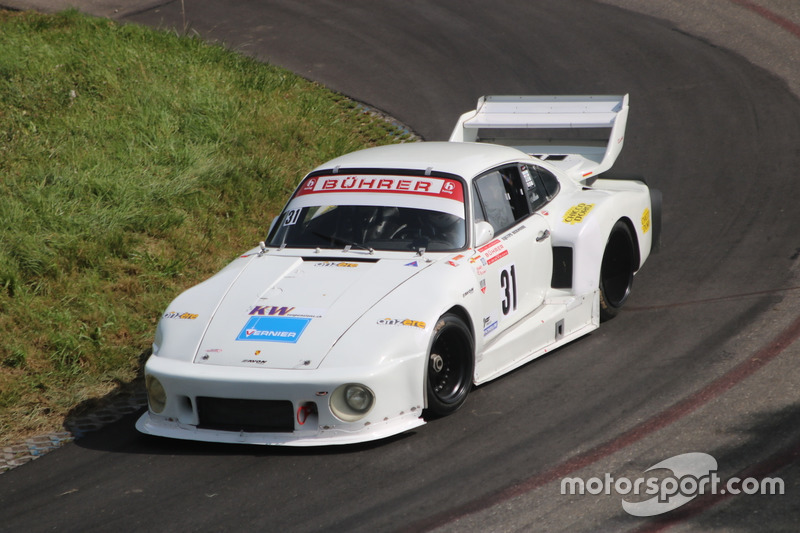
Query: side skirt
(558,321)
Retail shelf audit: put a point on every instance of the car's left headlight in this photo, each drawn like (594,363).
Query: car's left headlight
(352,401)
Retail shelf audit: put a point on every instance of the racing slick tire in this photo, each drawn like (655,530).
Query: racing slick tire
(616,270)
(450,365)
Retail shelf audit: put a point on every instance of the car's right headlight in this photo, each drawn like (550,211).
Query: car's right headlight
(352,401)
(156,395)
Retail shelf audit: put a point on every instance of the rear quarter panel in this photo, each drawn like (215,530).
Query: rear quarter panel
(583,220)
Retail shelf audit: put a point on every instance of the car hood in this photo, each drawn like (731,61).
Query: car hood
(288,312)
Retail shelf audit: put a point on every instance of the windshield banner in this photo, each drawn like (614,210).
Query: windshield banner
(414,185)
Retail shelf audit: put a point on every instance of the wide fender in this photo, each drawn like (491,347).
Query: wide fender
(182,325)
(584,223)
(402,322)
(399,328)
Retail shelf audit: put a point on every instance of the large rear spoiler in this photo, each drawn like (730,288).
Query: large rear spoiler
(580,157)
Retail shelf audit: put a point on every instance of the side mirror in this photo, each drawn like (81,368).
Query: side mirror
(484,232)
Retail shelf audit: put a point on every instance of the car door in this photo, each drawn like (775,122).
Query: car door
(515,267)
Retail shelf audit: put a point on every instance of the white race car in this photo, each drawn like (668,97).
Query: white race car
(398,277)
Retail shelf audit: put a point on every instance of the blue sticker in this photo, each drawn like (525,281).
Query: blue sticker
(273,329)
(412,264)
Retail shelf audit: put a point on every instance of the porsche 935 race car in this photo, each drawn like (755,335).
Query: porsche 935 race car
(398,277)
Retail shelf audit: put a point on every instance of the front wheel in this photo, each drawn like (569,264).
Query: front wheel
(616,271)
(450,366)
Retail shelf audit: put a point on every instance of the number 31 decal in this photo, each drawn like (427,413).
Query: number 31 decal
(508,286)
(291,217)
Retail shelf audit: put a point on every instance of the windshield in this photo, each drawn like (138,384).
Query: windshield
(378,212)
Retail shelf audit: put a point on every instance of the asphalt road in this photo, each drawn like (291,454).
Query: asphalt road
(703,360)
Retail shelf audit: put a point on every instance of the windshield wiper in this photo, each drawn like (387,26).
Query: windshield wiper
(346,242)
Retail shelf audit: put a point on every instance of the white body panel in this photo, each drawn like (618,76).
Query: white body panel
(285,327)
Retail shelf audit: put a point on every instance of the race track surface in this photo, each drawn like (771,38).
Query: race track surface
(703,359)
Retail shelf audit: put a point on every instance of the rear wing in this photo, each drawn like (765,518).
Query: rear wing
(546,118)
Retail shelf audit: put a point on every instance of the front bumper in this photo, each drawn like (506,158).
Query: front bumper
(398,405)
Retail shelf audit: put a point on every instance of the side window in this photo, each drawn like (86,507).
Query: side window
(549,181)
(540,185)
(502,195)
(477,211)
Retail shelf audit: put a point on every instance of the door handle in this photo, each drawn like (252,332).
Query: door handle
(543,235)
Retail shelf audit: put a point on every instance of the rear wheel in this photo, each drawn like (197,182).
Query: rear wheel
(616,271)
(450,366)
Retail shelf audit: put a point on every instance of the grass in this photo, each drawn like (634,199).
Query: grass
(133,164)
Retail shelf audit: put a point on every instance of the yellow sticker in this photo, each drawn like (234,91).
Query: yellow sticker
(576,213)
(645,221)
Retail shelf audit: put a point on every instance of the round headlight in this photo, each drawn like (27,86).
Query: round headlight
(352,401)
(358,398)
(156,395)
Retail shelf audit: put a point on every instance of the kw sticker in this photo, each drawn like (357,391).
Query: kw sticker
(294,312)
(577,213)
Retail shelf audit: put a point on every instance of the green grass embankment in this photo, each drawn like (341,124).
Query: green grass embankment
(133,164)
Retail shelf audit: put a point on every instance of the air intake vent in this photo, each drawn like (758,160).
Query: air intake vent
(257,416)
(562,267)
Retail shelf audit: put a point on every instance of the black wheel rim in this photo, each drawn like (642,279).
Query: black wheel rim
(448,373)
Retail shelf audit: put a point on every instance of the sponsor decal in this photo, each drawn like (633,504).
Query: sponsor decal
(483,286)
(577,213)
(467,293)
(273,329)
(493,251)
(256,361)
(295,312)
(512,233)
(489,325)
(454,261)
(404,322)
(412,264)
(271,310)
(335,264)
(180,316)
(646,220)
(526,175)
(419,185)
